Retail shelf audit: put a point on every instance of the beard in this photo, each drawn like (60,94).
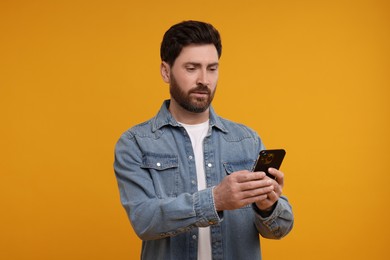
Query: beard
(188,102)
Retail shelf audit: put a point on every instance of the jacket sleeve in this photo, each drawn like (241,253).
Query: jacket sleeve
(279,223)
(153,217)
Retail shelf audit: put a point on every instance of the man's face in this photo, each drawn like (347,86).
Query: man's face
(193,77)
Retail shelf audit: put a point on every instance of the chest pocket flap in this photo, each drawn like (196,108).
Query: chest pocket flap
(231,167)
(159,161)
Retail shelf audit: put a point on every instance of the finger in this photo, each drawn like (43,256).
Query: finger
(247,176)
(256,184)
(279,176)
(273,196)
(257,192)
(256,199)
(277,187)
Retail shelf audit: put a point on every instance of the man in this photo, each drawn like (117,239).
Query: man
(185,176)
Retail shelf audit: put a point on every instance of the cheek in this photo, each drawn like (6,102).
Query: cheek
(214,79)
(186,81)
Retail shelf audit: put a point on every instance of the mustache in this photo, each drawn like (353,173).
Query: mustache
(201,88)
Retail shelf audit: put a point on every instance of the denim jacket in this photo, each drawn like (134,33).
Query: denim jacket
(155,169)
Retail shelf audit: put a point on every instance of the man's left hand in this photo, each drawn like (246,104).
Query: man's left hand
(266,205)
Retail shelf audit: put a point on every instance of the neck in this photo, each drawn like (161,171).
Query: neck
(187,117)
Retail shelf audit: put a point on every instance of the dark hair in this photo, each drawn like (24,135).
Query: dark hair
(186,33)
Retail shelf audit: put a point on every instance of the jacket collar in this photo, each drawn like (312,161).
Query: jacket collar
(164,117)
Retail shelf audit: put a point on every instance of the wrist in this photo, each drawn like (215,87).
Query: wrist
(264,212)
(217,204)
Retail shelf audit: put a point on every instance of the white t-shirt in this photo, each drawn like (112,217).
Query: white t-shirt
(197,134)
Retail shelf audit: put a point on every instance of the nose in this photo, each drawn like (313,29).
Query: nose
(203,78)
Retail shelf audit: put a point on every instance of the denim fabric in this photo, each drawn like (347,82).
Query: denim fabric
(155,170)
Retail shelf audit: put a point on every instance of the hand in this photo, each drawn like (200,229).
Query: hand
(274,195)
(242,188)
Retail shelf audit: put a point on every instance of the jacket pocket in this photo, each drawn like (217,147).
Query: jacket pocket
(164,171)
(231,167)
(235,166)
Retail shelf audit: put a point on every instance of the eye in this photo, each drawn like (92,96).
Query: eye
(213,68)
(190,68)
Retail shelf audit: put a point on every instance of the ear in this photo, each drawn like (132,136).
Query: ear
(165,72)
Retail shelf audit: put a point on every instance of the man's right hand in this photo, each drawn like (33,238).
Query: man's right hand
(241,188)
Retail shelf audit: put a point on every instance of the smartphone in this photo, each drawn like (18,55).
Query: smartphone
(269,159)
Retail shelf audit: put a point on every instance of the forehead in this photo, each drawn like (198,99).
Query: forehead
(202,54)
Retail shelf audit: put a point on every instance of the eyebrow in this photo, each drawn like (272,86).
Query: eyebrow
(197,64)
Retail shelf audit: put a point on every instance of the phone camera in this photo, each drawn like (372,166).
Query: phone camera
(269,158)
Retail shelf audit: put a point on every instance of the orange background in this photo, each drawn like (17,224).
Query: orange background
(309,76)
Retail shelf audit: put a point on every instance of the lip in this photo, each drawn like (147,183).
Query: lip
(200,93)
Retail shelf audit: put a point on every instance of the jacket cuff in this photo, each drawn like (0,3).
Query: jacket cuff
(205,208)
(264,214)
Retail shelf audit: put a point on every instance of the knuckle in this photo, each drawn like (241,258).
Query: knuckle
(252,193)
(235,196)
